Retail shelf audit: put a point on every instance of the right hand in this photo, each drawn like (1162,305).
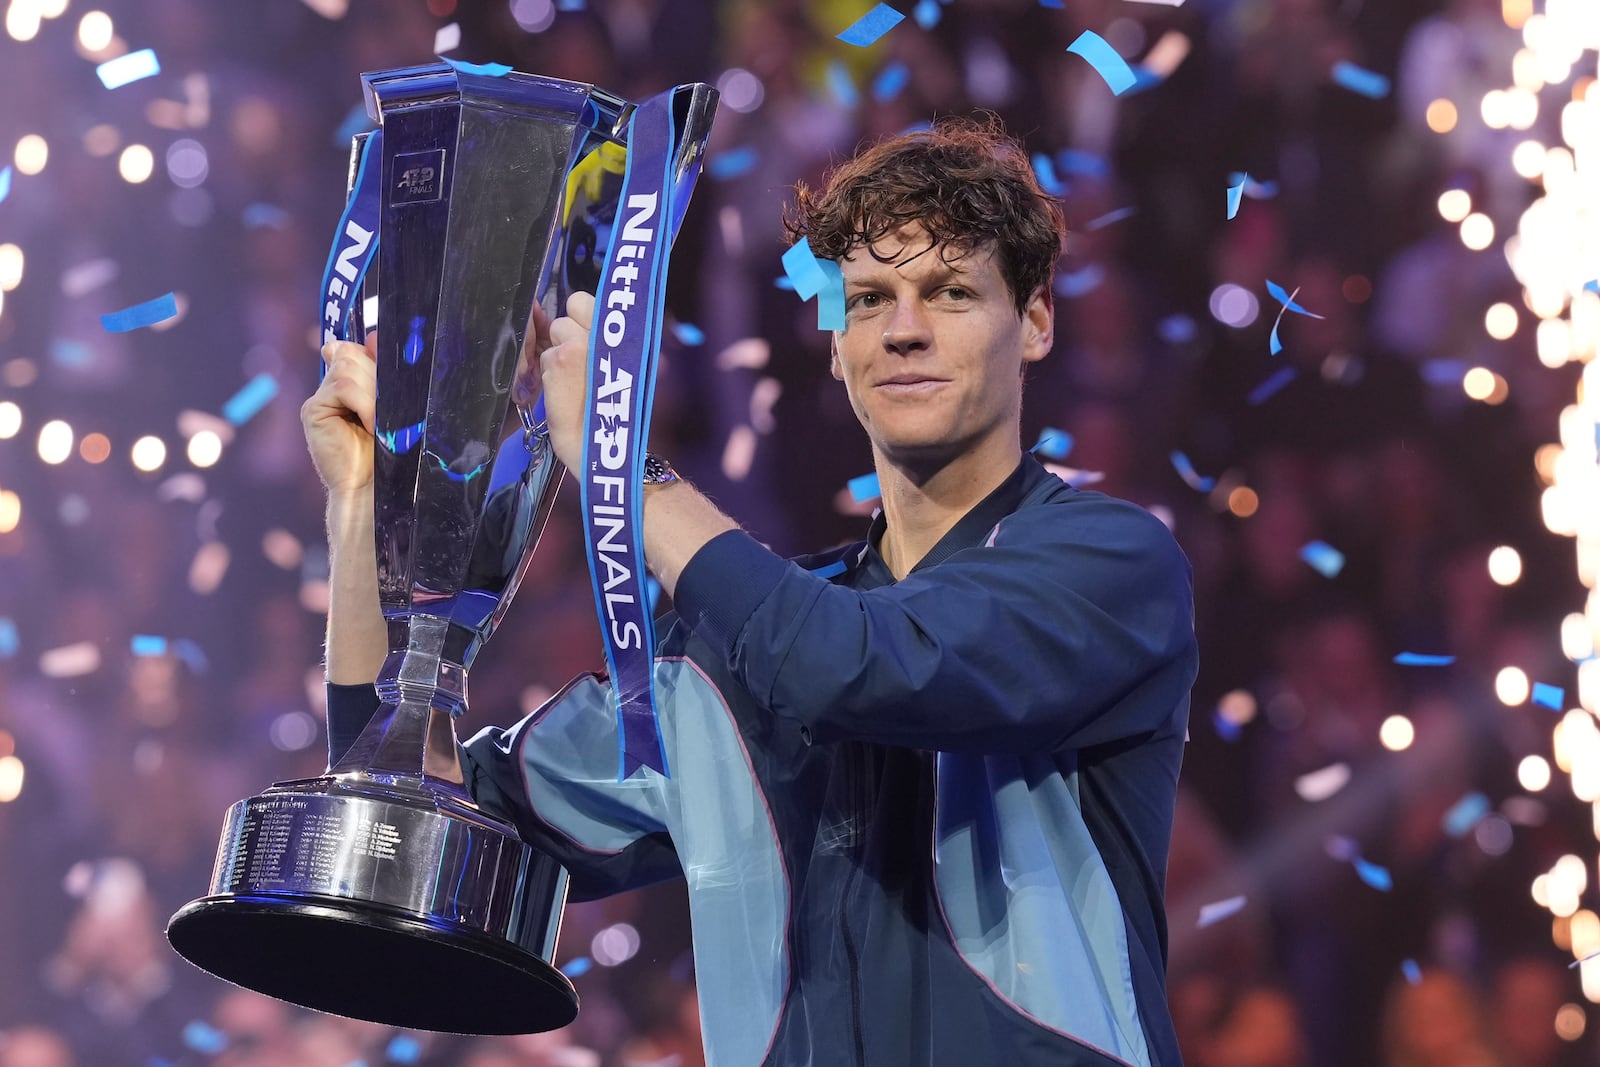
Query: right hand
(339,417)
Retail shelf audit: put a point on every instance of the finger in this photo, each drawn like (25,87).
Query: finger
(538,336)
(569,331)
(580,307)
(372,342)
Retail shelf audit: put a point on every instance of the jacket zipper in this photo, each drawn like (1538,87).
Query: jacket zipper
(857,787)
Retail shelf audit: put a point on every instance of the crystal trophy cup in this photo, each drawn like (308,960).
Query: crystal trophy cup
(379,890)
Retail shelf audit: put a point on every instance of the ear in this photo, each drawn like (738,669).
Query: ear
(1038,325)
(833,356)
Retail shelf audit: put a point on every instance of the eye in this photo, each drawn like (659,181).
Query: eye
(957,292)
(864,300)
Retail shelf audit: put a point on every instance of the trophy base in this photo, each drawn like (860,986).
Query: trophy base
(365,963)
(390,900)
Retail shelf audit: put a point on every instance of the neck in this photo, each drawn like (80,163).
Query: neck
(922,503)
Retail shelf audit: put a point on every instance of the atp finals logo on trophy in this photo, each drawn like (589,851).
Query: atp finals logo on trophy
(380,890)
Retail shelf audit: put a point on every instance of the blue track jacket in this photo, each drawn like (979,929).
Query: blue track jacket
(922,822)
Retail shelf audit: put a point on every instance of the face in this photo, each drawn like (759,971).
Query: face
(932,352)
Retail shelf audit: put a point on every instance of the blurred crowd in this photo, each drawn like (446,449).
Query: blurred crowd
(1357,435)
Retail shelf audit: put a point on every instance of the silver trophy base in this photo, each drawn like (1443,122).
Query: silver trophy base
(389,901)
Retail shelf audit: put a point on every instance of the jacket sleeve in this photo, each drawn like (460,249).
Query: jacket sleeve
(553,776)
(1071,626)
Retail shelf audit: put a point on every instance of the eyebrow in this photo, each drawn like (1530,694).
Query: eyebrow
(943,272)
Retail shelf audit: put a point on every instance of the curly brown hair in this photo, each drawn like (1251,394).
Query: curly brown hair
(965,181)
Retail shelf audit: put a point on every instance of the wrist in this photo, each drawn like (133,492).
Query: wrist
(658,474)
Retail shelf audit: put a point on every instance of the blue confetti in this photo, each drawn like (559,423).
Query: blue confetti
(1177,329)
(1274,346)
(204,1038)
(1323,558)
(1235,194)
(1279,378)
(1412,972)
(820,278)
(1226,728)
(487,70)
(8,638)
(864,487)
(66,352)
(265,216)
(890,81)
(1465,814)
(578,967)
(1186,471)
(1045,171)
(1374,875)
(148,645)
(1360,80)
(355,121)
(1075,283)
(403,1048)
(688,333)
(115,73)
(1105,60)
(5,182)
(569,5)
(1421,659)
(1085,164)
(1059,5)
(1287,300)
(148,313)
(1053,444)
(733,163)
(869,27)
(1549,696)
(191,654)
(256,394)
(1109,217)
(1216,912)
(842,86)
(1592,286)
(829,570)
(927,13)
(784,282)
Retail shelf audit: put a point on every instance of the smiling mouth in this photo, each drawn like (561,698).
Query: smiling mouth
(908,384)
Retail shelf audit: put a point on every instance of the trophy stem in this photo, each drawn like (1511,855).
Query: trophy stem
(412,735)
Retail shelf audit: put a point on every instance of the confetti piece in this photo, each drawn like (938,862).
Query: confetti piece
(762,400)
(487,70)
(191,654)
(1360,80)
(204,1038)
(1219,910)
(569,5)
(1186,471)
(1287,300)
(864,487)
(927,13)
(871,26)
(148,645)
(265,216)
(751,353)
(66,352)
(820,278)
(403,1048)
(890,81)
(1580,962)
(784,283)
(1176,329)
(733,163)
(688,333)
(1235,194)
(1420,659)
(447,39)
(1319,785)
(1053,443)
(1274,346)
(1045,170)
(842,86)
(1085,164)
(1550,696)
(8,638)
(1465,814)
(1058,5)
(1105,61)
(1279,378)
(1109,217)
(1226,728)
(1412,972)
(1323,558)
(739,453)
(5,182)
(247,402)
(1081,282)
(1588,287)
(828,570)
(115,73)
(148,313)
(1374,875)
(577,967)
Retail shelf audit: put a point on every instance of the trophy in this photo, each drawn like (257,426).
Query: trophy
(380,890)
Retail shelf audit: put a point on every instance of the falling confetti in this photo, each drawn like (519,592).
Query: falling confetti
(1109,217)
(864,487)
(688,333)
(5,182)
(115,73)
(1372,874)
(871,26)
(1323,558)
(138,316)
(1274,382)
(1236,194)
(842,85)
(1104,59)
(733,163)
(447,39)
(1186,471)
(1419,659)
(1053,444)
(820,278)
(927,13)
(1412,972)
(1219,910)
(891,80)
(1360,80)
(1549,696)
(248,401)
(1465,814)
(1319,785)
(487,70)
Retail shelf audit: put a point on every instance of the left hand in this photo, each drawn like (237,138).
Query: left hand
(555,359)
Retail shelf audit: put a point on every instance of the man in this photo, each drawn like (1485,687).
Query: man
(922,787)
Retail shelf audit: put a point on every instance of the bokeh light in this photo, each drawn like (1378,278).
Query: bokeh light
(1511,685)
(204,448)
(1533,773)
(1505,565)
(148,453)
(55,441)
(95,30)
(136,164)
(1397,733)
(31,154)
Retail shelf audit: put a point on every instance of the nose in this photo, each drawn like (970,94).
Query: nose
(907,329)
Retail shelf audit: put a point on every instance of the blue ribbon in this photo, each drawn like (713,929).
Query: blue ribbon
(624,343)
(355,243)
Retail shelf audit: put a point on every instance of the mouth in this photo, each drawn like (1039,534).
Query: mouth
(909,384)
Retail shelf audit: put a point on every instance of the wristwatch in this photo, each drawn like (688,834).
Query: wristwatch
(657,472)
